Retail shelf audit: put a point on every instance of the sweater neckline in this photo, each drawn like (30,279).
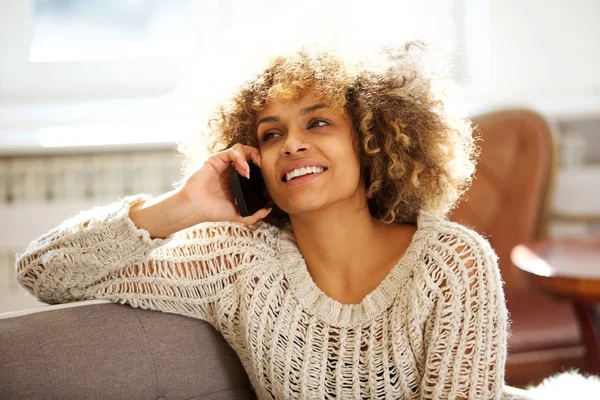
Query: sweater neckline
(319,304)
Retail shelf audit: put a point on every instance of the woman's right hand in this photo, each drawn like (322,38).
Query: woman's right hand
(209,190)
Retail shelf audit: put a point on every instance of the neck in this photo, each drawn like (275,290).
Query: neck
(342,242)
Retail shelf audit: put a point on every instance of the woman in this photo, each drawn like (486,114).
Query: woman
(351,284)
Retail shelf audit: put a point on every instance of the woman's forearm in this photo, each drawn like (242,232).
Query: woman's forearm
(59,265)
(165,215)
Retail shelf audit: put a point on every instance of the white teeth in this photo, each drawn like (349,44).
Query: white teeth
(302,171)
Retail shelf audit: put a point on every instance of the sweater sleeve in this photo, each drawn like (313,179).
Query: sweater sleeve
(101,254)
(466,330)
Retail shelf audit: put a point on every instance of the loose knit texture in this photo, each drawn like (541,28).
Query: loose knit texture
(434,328)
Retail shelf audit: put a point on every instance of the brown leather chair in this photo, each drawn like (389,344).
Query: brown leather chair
(508,203)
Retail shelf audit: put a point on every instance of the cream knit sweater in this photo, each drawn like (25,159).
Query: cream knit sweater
(435,328)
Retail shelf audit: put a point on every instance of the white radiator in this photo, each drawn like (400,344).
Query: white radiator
(39,192)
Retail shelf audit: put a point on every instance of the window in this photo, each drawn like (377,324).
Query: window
(92,30)
(84,50)
(95,48)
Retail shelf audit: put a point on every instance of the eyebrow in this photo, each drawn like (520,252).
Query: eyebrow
(304,111)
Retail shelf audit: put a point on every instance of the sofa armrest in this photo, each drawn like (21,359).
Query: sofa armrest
(102,350)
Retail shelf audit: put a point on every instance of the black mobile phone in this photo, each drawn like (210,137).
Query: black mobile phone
(249,194)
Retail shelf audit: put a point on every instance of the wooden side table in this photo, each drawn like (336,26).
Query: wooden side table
(567,268)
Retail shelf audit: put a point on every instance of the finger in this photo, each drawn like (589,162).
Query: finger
(249,153)
(260,214)
(252,153)
(255,155)
(220,161)
(239,159)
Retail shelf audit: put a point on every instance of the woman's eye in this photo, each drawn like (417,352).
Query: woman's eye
(268,135)
(317,123)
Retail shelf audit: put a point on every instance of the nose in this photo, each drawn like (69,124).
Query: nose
(295,142)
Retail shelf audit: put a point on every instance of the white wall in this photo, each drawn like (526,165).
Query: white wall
(545,47)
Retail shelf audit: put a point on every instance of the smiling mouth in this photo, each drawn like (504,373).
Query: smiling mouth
(308,173)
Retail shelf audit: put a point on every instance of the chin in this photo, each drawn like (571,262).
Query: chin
(301,206)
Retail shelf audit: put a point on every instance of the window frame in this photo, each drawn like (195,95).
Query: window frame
(56,81)
(131,77)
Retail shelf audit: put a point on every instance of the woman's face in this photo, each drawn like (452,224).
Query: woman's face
(307,134)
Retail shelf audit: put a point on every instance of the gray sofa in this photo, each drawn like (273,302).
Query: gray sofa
(99,350)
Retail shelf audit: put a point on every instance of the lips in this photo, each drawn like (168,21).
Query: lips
(302,172)
(299,164)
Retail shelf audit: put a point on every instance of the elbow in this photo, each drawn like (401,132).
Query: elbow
(28,270)
(48,288)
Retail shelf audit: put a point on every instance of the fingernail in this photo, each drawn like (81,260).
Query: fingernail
(264,214)
(259,161)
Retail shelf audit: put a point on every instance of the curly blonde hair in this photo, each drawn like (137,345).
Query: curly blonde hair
(414,156)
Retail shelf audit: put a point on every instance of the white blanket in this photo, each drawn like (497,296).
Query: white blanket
(569,385)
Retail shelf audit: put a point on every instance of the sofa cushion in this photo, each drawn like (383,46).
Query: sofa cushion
(115,351)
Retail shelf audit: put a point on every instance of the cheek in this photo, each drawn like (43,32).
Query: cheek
(270,181)
(351,176)
(270,173)
(347,162)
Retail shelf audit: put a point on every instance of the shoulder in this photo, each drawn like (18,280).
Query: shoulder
(456,258)
(448,236)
